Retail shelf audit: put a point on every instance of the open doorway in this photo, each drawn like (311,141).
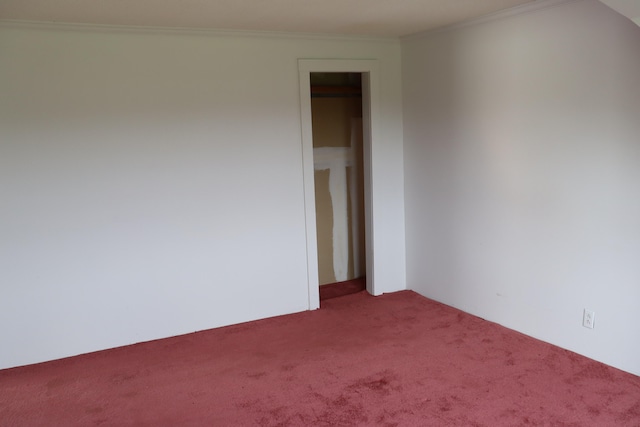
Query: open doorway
(368,71)
(337,129)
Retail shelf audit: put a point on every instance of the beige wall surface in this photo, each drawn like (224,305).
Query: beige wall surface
(332,119)
(324,225)
(337,123)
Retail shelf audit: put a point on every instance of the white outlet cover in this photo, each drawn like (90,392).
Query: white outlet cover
(588,319)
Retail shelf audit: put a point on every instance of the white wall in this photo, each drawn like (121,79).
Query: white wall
(151,183)
(522,173)
(628,8)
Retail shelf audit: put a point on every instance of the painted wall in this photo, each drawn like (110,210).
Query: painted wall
(522,165)
(628,8)
(151,183)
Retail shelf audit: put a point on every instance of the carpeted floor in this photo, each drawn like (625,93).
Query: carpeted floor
(340,289)
(395,360)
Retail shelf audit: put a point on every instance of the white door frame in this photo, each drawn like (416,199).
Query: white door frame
(370,106)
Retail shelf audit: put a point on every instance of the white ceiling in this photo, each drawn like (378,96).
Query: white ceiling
(387,18)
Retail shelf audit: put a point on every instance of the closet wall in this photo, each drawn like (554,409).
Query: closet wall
(339,185)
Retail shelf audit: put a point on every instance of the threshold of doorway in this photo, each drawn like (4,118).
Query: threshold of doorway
(334,290)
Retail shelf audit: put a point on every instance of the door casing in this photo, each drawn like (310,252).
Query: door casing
(370,107)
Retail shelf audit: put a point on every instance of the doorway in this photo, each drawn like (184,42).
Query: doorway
(336,116)
(366,72)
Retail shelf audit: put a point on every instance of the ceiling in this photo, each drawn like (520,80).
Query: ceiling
(386,18)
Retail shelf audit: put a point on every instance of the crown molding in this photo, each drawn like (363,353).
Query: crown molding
(535,6)
(182,31)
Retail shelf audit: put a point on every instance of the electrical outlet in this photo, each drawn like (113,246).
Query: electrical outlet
(588,319)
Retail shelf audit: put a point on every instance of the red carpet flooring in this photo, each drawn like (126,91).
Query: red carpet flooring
(340,289)
(394,360)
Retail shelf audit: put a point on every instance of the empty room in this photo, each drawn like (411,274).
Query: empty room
(166,206)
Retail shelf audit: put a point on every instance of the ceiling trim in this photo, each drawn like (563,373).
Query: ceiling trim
(500,15)
(204,32)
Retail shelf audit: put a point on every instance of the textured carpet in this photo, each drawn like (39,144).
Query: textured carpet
(340,289)
(394,360)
